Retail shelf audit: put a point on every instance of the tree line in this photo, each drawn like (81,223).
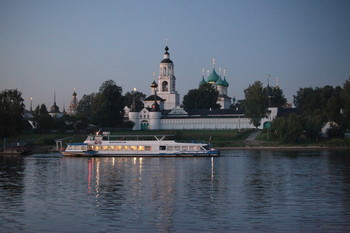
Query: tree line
(105,108)
(316,106)
(102,109)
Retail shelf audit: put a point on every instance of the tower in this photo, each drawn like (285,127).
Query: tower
(55,110)
(167,82)
(72,110)
(134,115)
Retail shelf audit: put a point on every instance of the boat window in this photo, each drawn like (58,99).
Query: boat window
(162,148)
(194,148)
(170,148)
(148,148)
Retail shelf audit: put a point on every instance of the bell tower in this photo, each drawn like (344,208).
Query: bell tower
(167,82)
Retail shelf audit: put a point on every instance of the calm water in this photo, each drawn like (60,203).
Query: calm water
(244,191)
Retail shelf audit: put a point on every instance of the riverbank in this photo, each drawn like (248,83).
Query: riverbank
(220,139)
(283,148)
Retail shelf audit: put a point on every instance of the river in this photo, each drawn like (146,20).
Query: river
(240,191)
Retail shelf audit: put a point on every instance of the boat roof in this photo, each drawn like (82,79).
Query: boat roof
(136,135)
(77,144)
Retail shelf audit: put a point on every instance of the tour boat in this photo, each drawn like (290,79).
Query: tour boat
(136,145)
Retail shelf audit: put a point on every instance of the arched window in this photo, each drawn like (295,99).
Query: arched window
(164,71)
(165,86)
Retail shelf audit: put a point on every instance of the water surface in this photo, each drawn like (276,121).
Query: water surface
(243,191)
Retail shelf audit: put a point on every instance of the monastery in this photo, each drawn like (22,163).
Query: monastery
(162,109)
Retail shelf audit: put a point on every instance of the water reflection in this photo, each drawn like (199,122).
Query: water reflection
(11,189)
(130,184)
(240,191)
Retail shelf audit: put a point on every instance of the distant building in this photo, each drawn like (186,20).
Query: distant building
(220,84)
(72,109)
(167,82)
(162,108)
(55,110)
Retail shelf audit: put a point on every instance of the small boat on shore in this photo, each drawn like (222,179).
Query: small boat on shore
(17,150)
(136,145)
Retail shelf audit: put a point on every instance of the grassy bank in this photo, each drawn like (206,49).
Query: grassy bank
(218,138)
(265,140)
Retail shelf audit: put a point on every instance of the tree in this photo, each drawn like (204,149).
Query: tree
(312,126)
(108,105)
(256,103)
(205,97)
(287,129)
(190,100)
(345,96)
(11,112)
(277,97)
(42,120)
(85,106)
(139,96)
(294,129)
(306,100)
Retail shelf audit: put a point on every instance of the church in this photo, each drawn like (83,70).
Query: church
(162,109)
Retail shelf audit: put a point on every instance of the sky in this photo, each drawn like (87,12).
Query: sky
(49,46)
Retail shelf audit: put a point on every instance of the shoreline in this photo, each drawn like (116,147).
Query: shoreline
(283,148)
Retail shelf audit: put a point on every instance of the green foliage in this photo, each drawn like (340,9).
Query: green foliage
(11,112)
(312,126)
(345,95)
(256,103)
(276,97)
(108,105)
(139,97)
(205,97)
(316,107)
(85,106)
(324,102)
(287,129)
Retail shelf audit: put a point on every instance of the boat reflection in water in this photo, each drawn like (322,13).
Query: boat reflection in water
(136,184)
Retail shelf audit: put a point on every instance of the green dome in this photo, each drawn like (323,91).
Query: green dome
(202,81)
(213,77)
(220,82)
(225,82)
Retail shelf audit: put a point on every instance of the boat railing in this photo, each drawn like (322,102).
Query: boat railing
(138,137)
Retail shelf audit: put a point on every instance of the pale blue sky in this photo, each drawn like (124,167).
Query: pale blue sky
(49,45)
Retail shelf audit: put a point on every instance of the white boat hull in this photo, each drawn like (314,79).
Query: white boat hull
(99,146)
